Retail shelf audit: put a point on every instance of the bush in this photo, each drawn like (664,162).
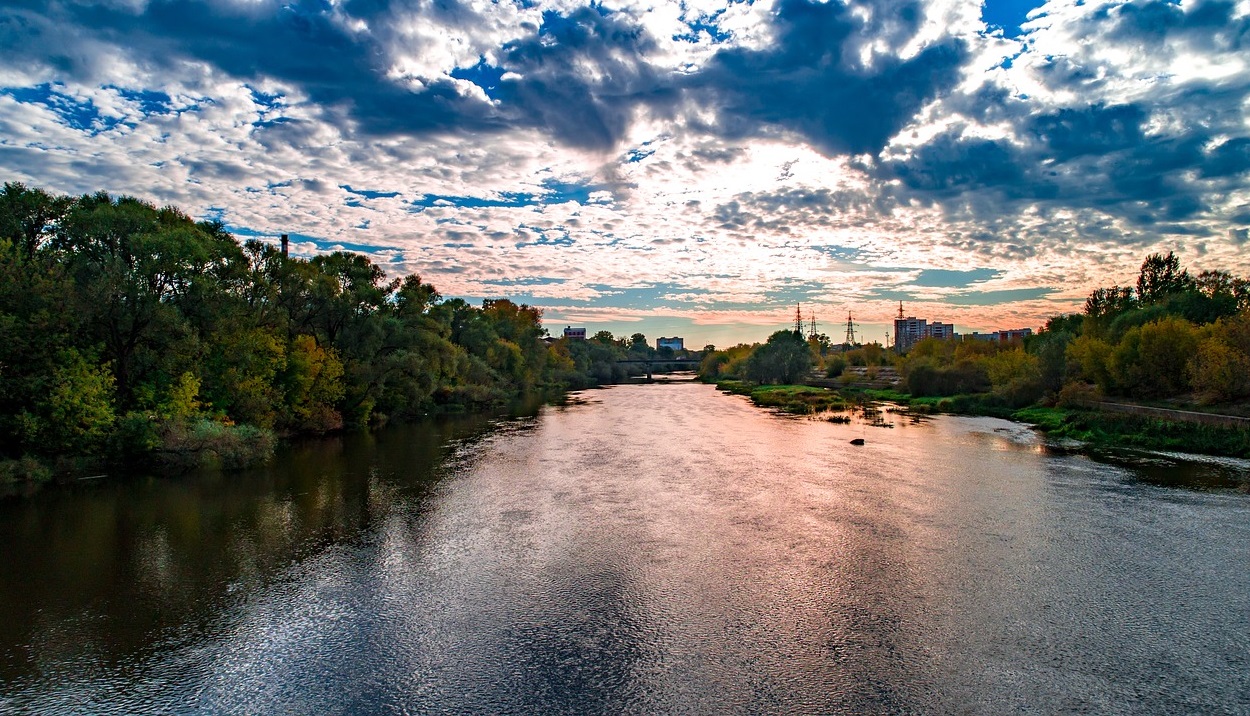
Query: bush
(1077,395)
(1016,376)
(966,376)
(25,469)
(202,442)
(834,366)
(1219,372)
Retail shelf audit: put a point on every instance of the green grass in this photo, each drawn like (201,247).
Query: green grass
(888,395)
(1046,419)
(735,387)
(1090,427)
(796,399)
(1114,430)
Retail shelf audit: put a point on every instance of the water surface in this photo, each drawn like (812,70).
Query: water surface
(643,549)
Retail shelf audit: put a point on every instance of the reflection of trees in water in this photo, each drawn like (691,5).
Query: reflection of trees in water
(105,570)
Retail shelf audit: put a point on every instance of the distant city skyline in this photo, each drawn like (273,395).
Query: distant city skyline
(690,169)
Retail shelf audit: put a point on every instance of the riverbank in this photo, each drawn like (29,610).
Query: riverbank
(1149,429)
(167,448)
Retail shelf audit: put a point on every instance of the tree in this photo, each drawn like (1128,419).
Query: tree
(148,280)
(347,289)
(28,217)
(1166,347)
(784,359)
(414,298)
(313,381)
(1218,372)
(76,413)
(1161,276)
(1016,376)
(1050,347)
(1089,359)
(240,372)
(1151,360)
(1109,302)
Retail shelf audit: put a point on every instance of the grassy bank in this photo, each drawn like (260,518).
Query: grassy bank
(1116,430)
(1087,426)
(795,399)
(1091,427)
(150,444)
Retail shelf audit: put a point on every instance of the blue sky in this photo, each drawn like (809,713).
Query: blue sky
(691,168)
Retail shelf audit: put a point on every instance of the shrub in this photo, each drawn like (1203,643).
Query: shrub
(1076,395)
(1219,372)
(208,443)
(834,366)
(1016,376)
(24,469)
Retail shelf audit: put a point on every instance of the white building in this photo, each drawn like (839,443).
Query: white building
(576,334)
(676,343)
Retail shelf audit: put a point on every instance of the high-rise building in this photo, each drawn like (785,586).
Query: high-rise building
(909,330)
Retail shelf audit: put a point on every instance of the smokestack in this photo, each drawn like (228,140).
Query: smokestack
(285,245)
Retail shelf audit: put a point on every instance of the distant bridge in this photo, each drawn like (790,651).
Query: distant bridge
(652,363)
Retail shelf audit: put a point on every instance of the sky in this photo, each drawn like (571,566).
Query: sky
(688,168)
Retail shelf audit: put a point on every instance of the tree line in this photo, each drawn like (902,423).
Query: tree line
(132,331)
(1170,336)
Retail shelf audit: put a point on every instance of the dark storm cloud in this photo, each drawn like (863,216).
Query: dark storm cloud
(1211,25)
(1098,157)
(1229,158)
(584,109)
(306,45)
(1163,162)
(811,79)
(300,44)
(950,165)
(1071,133)
(581,77)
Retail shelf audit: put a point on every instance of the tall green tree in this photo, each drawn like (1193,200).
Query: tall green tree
(784,359)
(28,217)
(1160,277)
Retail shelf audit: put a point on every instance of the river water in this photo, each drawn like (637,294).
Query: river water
(642,549)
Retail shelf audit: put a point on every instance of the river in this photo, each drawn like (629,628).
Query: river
(642,549)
